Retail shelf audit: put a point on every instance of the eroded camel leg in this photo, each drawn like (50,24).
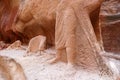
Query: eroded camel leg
(70,56)
(71,48)
(58,56)
(27,53)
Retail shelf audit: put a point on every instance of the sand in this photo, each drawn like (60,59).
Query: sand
(36,67)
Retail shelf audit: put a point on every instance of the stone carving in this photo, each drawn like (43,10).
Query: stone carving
(36,44)
(10,69)
(15,45)
(71,21)
(72,25)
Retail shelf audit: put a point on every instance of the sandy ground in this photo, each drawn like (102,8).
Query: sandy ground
(37,67)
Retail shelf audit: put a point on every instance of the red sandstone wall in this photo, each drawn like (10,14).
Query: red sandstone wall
(110,23)
(8,12)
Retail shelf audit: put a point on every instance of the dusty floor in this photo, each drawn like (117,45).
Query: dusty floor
(38,68)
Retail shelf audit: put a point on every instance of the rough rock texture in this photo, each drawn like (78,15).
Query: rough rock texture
(71,25)
(110,7)
(110,23)
(10,69)
(8,11)
(36,44)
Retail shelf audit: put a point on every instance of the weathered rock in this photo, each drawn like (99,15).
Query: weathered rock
(110,23)
(8,11)
(71,25)
(15,45)
(111,37)
(10,69)
(36,44)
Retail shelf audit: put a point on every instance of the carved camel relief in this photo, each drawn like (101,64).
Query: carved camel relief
(74,24)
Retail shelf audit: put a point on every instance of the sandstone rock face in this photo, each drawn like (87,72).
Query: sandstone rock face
(72,25)
(110,7)
(8,11)
(111,37)
(110,23)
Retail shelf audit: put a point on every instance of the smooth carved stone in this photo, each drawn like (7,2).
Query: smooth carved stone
(73,25)
(36,44)
(8,12)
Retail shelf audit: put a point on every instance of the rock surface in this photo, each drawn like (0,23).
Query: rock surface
(110,23)
(44,71)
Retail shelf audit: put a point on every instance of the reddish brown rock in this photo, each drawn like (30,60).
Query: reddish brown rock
(110,23)
(111,37)
(8,13)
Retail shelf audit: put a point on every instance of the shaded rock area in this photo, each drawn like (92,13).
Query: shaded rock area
(110,23)
(8,14)
(111,37)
